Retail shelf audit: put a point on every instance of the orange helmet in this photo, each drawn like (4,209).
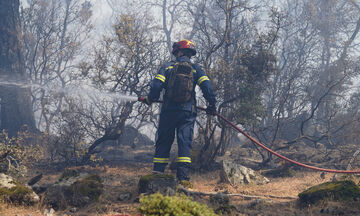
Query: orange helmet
(184,44)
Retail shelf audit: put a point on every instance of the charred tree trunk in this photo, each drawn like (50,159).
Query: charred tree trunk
(111,133)
(204,159)
(15,101)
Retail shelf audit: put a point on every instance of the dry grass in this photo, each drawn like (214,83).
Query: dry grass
(10,210)
(124,178)
(279,187)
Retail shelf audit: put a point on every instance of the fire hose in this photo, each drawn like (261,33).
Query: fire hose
(270,150)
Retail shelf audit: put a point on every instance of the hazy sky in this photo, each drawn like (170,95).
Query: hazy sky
(101,15)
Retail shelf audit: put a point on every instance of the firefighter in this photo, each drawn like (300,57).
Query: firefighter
(178,111)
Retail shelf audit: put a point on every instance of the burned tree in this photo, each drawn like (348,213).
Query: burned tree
(307,98)
(16,109)
(55,35)
(122,65)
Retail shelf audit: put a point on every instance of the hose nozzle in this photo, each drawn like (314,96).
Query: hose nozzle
(141,99)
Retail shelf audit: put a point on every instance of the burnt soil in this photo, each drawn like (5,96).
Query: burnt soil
(120,197)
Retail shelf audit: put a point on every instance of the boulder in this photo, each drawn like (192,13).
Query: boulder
(15,192)
(335,191)
(219,199)
(49,212)
(132,137)
(342,177)
(6,181)
(236,174)
(284,170)
(122,149)
(124,196)
(77,190)
(40,188)
(153,183)
(221,203)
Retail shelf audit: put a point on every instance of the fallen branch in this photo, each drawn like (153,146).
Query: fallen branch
(194,193)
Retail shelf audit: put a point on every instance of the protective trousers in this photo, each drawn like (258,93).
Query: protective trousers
(183,123)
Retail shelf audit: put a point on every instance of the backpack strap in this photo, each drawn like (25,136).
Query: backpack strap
(166,102)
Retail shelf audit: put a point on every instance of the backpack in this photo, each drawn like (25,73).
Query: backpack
(180,82)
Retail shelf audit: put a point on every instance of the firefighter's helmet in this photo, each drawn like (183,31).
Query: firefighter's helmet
(184,44)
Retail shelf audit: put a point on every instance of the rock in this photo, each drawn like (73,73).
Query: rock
(130,136)
(322,175)
(38,189)
(73,210)
(6,181)
(221,203)
(14,192)
(56,196)
(163,183)
(236,174)
(343,177)
(283,171)
(226,210)
(49,212)
(77,191)
(220,199)
(124,196)
(254,203)
(336,191)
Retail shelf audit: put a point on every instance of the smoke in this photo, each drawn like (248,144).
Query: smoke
(73,90)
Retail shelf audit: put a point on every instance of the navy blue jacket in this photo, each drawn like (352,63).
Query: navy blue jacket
(200,78)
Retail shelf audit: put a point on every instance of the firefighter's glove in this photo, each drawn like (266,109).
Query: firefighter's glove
(211,109)
(145,100)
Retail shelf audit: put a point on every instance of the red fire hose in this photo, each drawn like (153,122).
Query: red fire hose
(273,152)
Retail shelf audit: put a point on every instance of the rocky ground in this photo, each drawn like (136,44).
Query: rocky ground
(121,175)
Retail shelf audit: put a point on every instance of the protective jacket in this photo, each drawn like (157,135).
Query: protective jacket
(200,78)
(177,117)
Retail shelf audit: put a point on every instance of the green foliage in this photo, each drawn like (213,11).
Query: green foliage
(16,153)
(157,204)
(252,71)
(226,209)
(186,184)
(15,195)
(337,191)
(241,82)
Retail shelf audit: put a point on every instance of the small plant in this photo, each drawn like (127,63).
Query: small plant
(68,173)
(16,153)
(186,184)
(16,195)
(157,204)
